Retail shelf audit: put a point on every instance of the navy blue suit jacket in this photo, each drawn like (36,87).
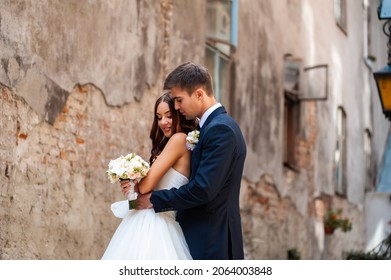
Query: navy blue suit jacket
(208,206)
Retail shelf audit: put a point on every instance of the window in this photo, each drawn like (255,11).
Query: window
(340,156)
(368,52)
(291,125)
(221,40)
(340,14)
(369,186)
(218,64)
(291,110)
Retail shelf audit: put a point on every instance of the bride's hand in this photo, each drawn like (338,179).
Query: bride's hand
(125,186)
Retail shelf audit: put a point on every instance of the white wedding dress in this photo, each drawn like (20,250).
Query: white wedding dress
(146,235)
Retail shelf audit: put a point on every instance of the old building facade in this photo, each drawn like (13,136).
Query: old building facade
(78,82)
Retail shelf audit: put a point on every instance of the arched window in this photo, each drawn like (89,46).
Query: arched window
(340,155)
(369,184)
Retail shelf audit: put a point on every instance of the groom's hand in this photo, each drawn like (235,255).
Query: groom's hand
(143,201)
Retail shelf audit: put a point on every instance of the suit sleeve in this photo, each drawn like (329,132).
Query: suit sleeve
(218,150)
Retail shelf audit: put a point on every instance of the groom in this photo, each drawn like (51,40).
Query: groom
(208,206)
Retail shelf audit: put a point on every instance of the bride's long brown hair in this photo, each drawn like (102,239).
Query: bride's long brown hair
(159,141)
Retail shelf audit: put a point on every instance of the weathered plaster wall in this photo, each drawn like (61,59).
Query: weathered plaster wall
(49,46)
(268,30)
(55,198)
(78,84)
(186,34)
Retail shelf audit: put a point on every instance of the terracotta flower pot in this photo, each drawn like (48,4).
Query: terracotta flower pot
(328,230)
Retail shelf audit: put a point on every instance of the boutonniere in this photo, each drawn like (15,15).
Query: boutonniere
(192,139)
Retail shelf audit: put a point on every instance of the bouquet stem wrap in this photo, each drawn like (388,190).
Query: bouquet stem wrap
(132,196)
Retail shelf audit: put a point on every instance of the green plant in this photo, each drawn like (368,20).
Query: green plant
(361,255)
(381,252)
(371,57)
(334,220)
(294,254)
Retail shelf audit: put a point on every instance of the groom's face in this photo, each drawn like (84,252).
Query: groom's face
(187,105)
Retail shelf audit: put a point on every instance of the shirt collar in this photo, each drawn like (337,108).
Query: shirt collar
(208,112)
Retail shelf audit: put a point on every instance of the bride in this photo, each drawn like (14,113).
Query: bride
(144,234)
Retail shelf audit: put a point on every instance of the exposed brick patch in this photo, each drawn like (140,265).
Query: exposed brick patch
(53,176)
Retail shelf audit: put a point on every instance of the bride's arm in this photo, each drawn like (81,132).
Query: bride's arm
(174,150)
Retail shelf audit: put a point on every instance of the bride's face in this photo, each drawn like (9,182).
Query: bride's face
(164,117)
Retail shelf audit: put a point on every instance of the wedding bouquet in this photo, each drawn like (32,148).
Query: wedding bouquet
(192,139)
(130,167)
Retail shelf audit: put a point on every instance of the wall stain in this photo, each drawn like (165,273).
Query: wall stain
(56,101)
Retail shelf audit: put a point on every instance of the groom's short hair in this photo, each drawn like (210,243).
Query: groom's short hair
(190,76)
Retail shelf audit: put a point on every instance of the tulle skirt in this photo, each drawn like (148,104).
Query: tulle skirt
(146,235)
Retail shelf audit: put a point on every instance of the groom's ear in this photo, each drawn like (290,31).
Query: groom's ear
(199,93)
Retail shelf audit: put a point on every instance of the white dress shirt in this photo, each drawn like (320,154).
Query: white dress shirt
(208,112)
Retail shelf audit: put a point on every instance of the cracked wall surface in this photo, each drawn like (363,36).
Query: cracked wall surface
(49,46)
(78,84)
(55,198)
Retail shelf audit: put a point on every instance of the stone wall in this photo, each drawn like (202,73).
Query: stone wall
(55,198)
(78,85)
(275,222)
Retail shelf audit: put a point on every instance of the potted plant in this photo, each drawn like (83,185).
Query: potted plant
(294,254)
(334,220)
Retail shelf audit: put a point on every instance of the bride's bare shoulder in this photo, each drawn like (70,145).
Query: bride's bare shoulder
(177,142)
(178,137)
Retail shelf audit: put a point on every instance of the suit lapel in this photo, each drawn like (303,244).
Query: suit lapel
(196,154)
